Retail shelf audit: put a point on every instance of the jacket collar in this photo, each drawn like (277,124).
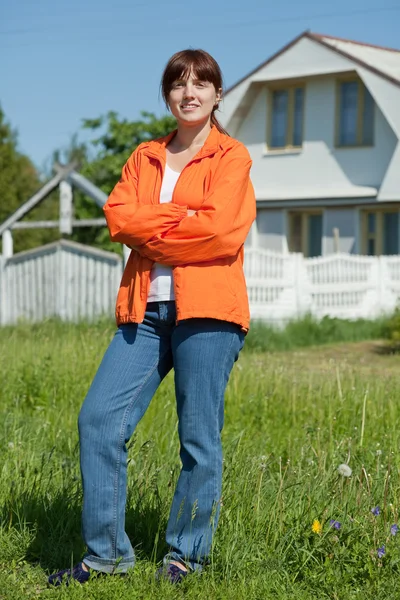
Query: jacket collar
(156,148)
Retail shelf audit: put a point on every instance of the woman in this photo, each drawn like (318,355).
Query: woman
(184,204)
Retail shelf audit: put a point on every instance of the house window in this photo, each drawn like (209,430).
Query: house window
(380,232)
(286,118)
(355,121)
(305,233)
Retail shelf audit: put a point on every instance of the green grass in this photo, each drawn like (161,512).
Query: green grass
(291,419)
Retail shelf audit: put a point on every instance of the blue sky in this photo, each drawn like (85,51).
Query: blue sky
(65,61)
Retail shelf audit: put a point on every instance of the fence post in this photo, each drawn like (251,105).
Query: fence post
(380,285)
(386,297)
(7,243)
(65,207)
(3,293)
(303,298)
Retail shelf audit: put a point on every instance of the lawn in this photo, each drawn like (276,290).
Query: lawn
(291,526)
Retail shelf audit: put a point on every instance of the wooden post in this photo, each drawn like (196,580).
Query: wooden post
(65,207)
(3,294)
(36,199)
(7,241)
(335,240)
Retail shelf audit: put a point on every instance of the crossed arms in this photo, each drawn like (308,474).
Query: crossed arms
(175,235)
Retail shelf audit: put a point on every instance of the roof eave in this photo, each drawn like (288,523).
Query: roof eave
(316,38)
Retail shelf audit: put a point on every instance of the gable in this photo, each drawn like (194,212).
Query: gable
(307,56)
(304,59)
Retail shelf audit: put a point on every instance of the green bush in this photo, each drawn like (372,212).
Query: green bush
(392,331)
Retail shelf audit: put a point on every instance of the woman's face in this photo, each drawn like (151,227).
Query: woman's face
(192,100)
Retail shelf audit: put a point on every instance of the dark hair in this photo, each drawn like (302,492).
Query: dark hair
(205,68)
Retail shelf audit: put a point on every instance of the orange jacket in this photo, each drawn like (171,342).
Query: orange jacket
(206,249)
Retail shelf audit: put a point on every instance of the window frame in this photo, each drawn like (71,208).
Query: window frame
(305,214)
(290,88)
(360,113)
(378,235)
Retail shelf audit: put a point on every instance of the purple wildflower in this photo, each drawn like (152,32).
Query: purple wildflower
(335,524)
(381,552)
(394,529)
(376,511)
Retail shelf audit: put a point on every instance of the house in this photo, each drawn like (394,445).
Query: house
(321,120)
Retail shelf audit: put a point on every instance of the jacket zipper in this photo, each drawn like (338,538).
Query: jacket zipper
(157,157)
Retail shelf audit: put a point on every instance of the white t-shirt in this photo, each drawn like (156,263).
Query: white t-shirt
(161,279)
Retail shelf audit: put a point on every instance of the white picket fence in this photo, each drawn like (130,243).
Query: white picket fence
(74,282)
(286,286)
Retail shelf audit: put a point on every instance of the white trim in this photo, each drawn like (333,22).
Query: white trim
(282,193)
(282,151)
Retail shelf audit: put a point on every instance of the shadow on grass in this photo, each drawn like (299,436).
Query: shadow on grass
(54,526)
(386,348)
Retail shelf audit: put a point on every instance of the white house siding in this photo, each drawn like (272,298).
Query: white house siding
(368,166)
(271,229)
(387,95)
(318,165)
(346,221)
(253,129)
(230,102)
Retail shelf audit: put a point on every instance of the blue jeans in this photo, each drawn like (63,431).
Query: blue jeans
(202,353)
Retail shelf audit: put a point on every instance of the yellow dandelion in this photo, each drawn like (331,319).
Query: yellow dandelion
(316,527)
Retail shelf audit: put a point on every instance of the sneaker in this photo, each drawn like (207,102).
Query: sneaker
(77,573)
(171,573)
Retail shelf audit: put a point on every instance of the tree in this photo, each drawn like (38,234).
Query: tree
(19,180)
(118,141)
